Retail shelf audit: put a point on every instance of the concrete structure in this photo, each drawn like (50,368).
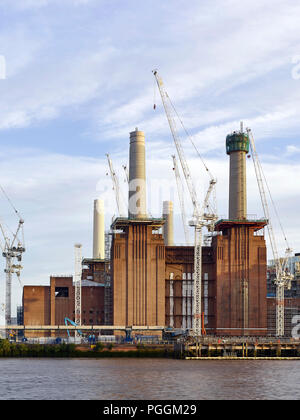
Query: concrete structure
(168,228)
(99,230)
(137,176)
(237,146)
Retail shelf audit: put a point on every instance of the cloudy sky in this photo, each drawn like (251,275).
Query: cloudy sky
(78,80)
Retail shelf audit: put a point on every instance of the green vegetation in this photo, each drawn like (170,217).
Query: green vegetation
(110,346)
(8,349)
(99,347)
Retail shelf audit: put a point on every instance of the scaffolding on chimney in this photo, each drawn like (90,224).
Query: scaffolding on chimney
(107,281)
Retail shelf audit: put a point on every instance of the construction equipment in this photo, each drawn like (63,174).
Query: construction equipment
(204,216)
(128,338)
(68,320)
(180,190)
(283,276)
(126,173)
(116,187)
(77,282)
(12,250)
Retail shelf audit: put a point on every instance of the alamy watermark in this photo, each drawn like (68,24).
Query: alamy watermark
(2,67)
(296,328)
(136,197)
(296,68)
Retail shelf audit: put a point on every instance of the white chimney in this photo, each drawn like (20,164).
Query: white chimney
(99,234)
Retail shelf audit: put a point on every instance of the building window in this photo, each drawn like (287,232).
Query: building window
(61,292)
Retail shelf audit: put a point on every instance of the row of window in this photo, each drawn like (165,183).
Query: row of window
(91,312)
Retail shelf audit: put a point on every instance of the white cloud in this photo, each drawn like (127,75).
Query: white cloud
(93,64)
(200,67)
(292,150)
(70,83)
(37,4)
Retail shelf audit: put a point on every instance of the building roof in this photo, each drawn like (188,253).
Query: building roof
(227,223)
(121,222)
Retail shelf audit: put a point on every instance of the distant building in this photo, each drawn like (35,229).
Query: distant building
(292,296)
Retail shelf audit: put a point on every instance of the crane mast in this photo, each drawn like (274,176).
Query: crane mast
(126,173)
(77,283)
(185,168)
(283,277)
(200,217)
(181,199)
(12,251)
(116,186)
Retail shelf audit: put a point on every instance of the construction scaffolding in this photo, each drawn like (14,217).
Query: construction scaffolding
(107,281)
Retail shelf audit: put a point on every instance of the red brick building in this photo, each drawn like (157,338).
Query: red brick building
(50,305)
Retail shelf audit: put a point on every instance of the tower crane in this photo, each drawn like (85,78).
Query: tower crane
(126,173)
(12,249)
(181,198)
(116,186)
(283,276)
(204,216)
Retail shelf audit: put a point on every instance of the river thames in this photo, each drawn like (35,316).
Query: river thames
(147,379)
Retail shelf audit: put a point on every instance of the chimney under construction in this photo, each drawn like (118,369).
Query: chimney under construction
(168,230)
(99,235)
(237,146)
(137,176)
(240,265)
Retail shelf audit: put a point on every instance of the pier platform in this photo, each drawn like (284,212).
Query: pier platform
(238,348)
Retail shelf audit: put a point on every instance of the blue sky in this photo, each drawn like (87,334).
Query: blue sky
(78,80)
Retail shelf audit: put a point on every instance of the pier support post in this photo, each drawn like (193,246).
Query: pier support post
(278,351)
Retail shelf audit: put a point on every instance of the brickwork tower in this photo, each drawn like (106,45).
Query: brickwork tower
(240,255)
(138,252)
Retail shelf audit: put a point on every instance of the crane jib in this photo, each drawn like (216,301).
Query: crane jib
(200,218)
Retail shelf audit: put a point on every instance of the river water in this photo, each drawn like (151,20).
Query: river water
(140,379)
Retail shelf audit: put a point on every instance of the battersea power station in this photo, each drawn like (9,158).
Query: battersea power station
(137,276)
